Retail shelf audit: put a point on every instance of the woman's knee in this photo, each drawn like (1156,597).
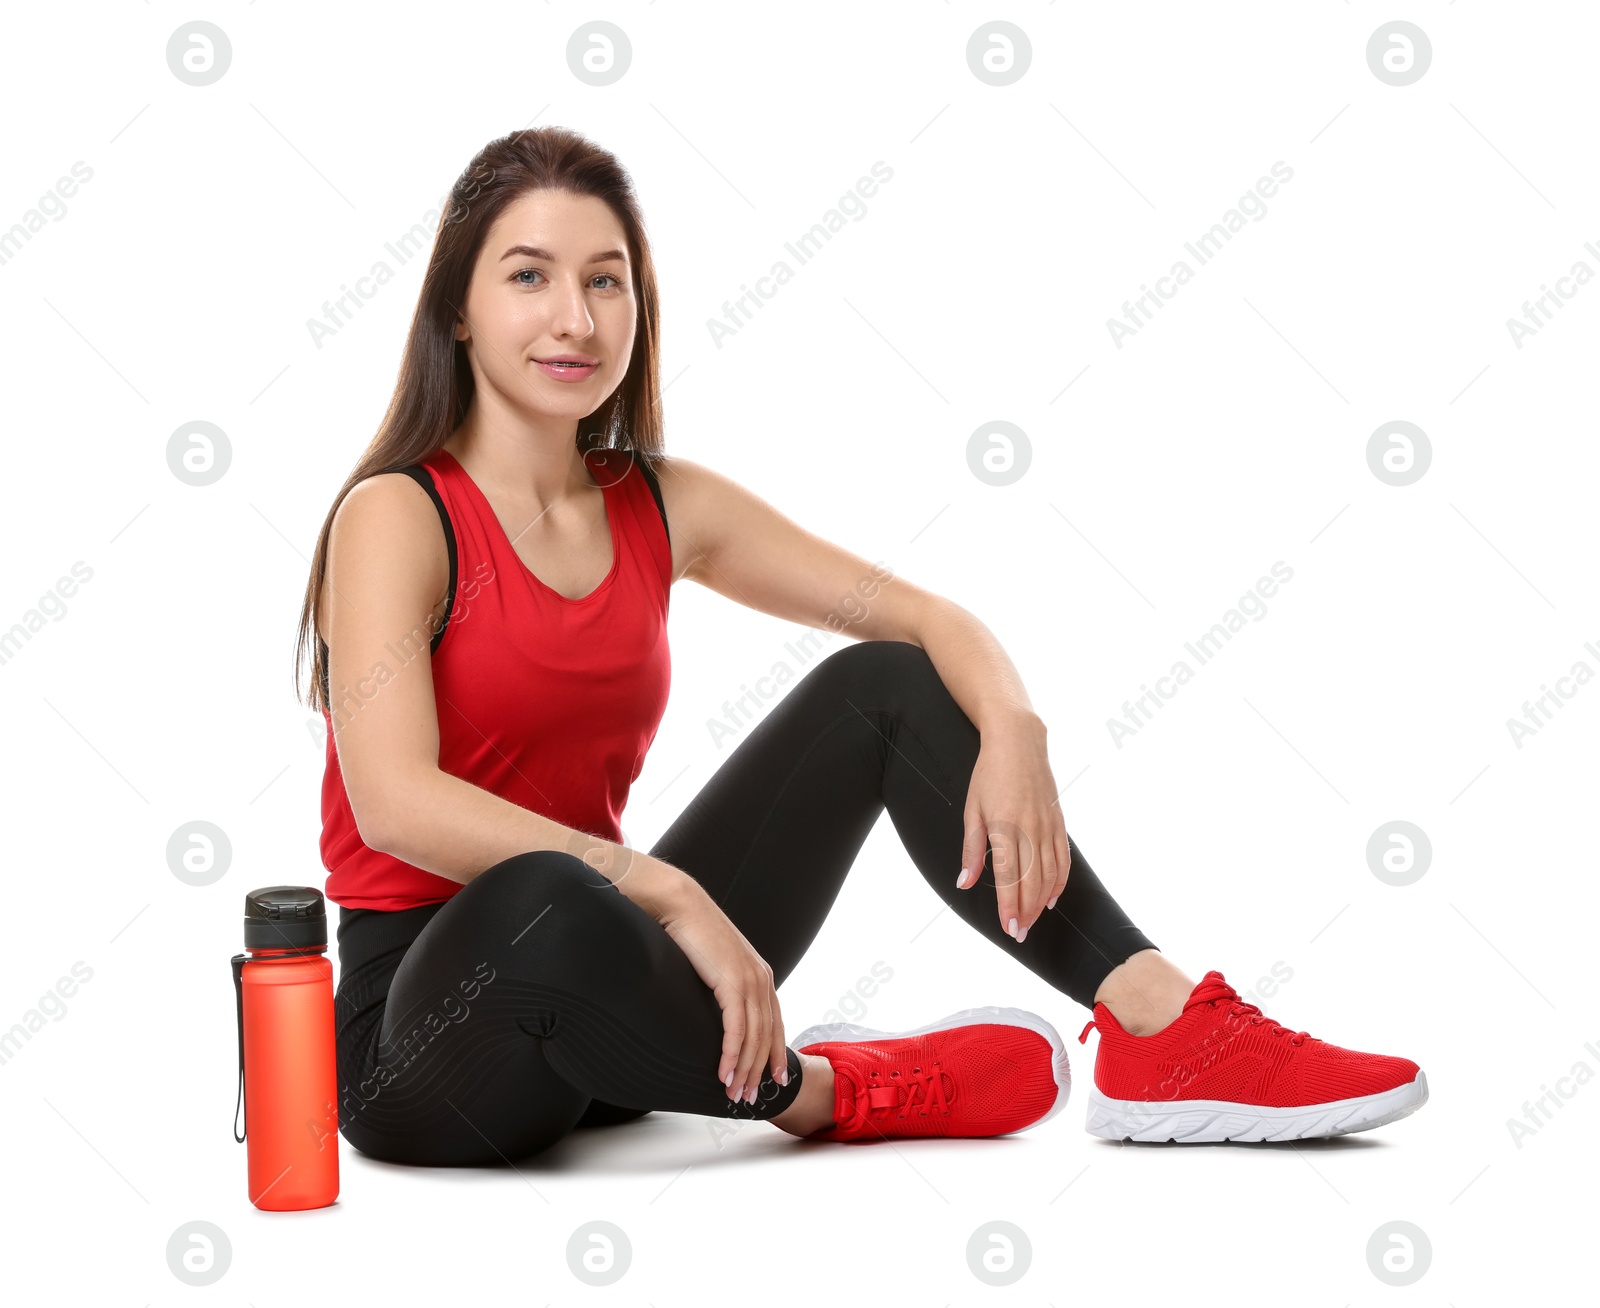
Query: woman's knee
(882,666)
(537,881)
(555,908)
(546,867)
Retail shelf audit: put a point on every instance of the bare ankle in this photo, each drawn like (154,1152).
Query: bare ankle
(1144,992)
(812,1109)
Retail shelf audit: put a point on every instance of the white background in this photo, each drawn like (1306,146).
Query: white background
(1229,433)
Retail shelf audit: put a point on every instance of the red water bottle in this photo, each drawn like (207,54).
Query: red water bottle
(288,1077)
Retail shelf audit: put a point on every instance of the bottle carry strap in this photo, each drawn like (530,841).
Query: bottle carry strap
(238,991)
(238,962)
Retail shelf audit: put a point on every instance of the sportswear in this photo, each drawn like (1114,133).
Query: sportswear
(462,1039)
(1223,1070)
(548,702)
(979,1072)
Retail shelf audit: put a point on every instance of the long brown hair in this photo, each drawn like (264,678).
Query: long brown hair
(435,386)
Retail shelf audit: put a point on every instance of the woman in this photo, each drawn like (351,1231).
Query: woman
(488,602)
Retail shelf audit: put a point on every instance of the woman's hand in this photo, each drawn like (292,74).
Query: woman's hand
(752,1043)
(1011,806)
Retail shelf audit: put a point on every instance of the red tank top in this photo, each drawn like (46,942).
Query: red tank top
(545,701)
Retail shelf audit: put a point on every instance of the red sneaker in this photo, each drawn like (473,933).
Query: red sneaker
(1223,1070)
(982,1071)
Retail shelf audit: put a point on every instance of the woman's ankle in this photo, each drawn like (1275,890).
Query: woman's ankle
(812,1109)
(1144,992)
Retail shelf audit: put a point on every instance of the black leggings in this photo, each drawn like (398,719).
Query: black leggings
(540,998)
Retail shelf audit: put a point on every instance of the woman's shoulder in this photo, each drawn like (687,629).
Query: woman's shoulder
(393,519)
(396,498)
(386,543)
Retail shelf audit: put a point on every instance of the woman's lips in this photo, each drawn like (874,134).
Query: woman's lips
(568,372)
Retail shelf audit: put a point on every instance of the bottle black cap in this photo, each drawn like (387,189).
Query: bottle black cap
(285,917)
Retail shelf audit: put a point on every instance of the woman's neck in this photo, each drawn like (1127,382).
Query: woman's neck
(539,466)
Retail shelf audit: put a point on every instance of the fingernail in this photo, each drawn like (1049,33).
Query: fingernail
(961,878)
(1052,903)
(1023,936)
(750,1095)
(1012,929)
(783,1076)
(728,1080)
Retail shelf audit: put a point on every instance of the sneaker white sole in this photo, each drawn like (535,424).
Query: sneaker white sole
(1218,1119)
(967,1016)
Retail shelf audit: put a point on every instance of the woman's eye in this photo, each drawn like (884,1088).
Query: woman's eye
(524,272)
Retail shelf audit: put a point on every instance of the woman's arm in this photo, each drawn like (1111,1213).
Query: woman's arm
(387,574)
(1012,803)
(456,829)
(978,673)
(737,544)
(734,542)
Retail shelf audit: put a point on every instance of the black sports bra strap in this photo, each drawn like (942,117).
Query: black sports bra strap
(423,478)
(641,461)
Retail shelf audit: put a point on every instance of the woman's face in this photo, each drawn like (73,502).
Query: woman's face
(551,282)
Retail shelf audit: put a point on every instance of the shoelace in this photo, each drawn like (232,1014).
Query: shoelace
(877,1098)
(1220,992)
(1239,1007)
